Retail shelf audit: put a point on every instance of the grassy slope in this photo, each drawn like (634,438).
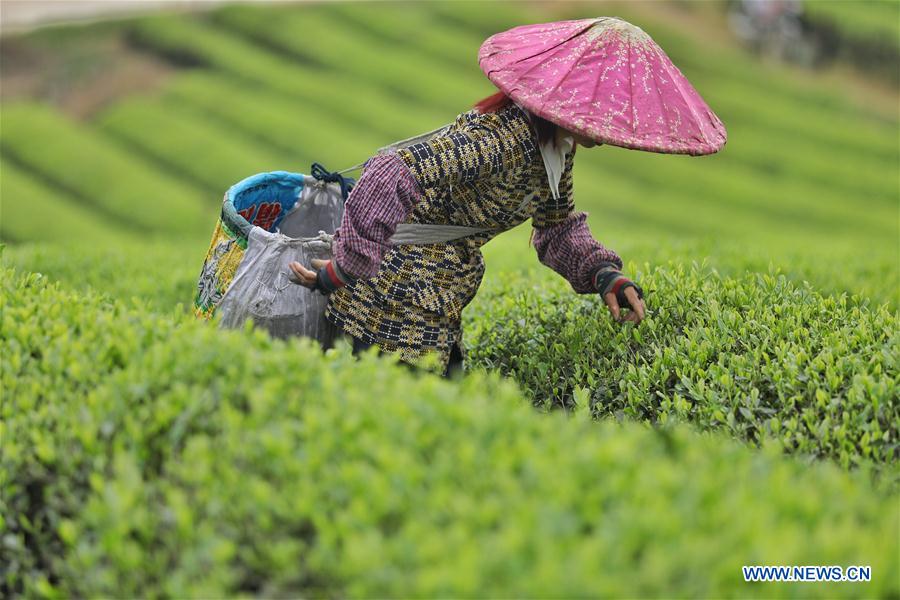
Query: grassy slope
(860,19)
(99,172)
(807,180)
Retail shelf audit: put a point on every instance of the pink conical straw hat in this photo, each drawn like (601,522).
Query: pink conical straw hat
(605,79)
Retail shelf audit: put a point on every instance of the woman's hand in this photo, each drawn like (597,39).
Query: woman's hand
(307,277)
(327,277)
(620,293)
(637,306)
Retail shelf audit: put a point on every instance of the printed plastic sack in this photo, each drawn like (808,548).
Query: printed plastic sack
(261,289)
(267,221)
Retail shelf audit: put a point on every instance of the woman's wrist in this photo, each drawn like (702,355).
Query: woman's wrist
(331,277)
(608,279)
(605,277)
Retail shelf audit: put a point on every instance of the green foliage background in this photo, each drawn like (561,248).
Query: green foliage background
(145,453)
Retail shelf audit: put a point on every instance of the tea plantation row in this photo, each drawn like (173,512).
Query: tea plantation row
(766,360)
(149,455)
(758,357)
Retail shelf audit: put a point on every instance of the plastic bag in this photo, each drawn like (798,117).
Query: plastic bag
(267,221)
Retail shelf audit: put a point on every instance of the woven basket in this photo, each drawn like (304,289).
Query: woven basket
(278,202)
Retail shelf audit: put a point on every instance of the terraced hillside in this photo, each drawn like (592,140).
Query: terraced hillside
(807,180)
(148,454)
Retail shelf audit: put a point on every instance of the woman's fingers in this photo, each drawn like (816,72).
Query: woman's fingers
(643,310)
(631,317)
(637,305)
(304,276)
(301,271)
(613,305)
(318,263)
(638,308)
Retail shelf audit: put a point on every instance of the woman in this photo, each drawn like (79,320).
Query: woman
(508,160)
(409,298)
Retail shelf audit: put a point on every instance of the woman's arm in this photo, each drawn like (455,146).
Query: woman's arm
(563,240)
(382,198)
(564,243)
(569,249)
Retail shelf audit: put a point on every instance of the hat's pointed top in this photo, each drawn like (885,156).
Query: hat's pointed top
(606,79)
(609,27)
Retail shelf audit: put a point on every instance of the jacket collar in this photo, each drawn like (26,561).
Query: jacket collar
(554,156)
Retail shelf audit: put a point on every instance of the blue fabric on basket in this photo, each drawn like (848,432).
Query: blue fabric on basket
(265,198)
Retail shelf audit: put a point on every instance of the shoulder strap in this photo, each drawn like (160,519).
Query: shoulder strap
(403,144)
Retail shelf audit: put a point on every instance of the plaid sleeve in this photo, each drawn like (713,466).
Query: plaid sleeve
(487,146)
(563,239)
(569,249)
(382,198)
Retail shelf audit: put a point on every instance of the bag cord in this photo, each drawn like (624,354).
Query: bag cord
(400,144)
(323,174)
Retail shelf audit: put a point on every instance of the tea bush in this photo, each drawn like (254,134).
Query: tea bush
(155,273)
(211,463)
(758,356)
(57,346)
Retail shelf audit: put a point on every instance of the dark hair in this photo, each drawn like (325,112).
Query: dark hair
(545,129)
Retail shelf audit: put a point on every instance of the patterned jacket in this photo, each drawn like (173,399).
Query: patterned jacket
(486,172)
